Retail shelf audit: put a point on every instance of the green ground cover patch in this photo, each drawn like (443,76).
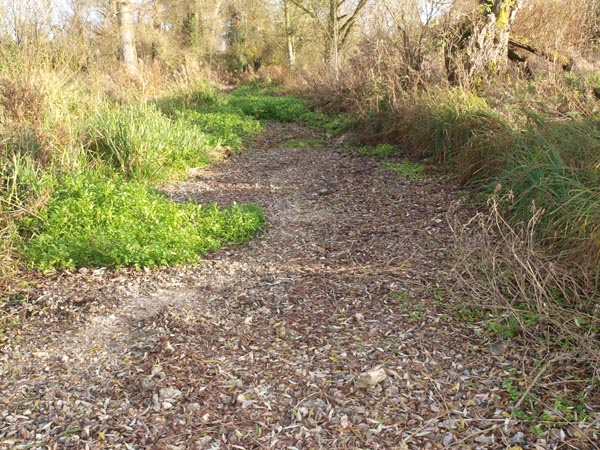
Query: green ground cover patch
(221,128)
(408,169)
(305,143)
(381,150)
(112,222)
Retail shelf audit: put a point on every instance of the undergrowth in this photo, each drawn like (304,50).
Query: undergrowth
(105,212)
(540,159)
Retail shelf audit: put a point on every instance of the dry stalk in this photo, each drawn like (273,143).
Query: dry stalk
(503,269)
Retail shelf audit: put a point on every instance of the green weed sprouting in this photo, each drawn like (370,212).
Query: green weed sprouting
(408,169)
(305,143)
(380,150)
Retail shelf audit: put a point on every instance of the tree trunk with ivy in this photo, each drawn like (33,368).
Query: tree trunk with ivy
(478,45)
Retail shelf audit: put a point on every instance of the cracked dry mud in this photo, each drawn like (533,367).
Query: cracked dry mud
(269,345)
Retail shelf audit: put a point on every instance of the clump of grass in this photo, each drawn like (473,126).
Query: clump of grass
(111,222)
(408,169)
(539,159)
(143,144)
(329,122)
(380,150)
(198,95)
(452,127)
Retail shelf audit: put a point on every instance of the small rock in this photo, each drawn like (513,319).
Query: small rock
(194,406)
(241,399)
(169,393)
(148,384)
(226,399)
(359,317)
(166,405)
(518,438)
(448,439)
(373,377)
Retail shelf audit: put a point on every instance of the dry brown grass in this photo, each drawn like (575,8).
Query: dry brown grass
(20,102)
(503,269)
(566,25)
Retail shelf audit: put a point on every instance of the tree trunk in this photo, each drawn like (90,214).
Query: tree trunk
(127,53)
(289,35)
(333,32)
(479,46)
(337,25)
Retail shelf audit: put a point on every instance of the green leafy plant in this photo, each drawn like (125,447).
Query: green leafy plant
(305,143)
(111,222)
(381,150)
(264,107)
(221,128)
(512,325)
(408,169)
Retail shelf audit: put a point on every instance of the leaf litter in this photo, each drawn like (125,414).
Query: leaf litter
(334,329)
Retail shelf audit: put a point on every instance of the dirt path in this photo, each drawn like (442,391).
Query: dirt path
(269,345)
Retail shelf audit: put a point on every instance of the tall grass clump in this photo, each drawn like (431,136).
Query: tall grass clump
(554,166)
(141,143)
(453,127)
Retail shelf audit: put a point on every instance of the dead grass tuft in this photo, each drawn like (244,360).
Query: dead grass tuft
(549,300)
(20,102)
